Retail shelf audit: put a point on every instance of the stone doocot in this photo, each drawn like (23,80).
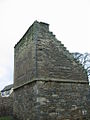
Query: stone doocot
(49,84)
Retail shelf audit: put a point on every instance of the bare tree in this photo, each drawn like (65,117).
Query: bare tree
(84,59)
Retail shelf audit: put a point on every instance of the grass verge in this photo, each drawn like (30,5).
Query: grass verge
(6,118)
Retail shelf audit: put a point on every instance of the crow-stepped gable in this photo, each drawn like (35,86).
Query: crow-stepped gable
(49,84)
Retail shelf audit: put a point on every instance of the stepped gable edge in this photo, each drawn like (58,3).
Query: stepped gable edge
(48,82)
(30,31)
(66,52)
(60,64)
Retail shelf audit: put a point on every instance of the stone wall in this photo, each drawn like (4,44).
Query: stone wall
(54,61)
(49,84)
(48,100)
(24,59)
(6,106)
(25,102)
(40,55)
(88,101)
(62,101)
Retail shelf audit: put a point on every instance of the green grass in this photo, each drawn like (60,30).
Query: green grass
(6,118)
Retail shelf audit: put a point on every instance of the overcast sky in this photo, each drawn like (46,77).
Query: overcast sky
(69,20)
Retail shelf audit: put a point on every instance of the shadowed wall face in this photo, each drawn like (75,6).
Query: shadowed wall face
(6,106)
(24,60)
(48,82)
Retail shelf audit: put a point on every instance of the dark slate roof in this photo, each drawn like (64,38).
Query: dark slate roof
(8,87)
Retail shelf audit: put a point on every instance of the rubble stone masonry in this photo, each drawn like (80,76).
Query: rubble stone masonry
(6,106)
(49,84)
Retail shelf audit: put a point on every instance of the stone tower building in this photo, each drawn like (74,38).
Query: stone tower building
(49,84)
